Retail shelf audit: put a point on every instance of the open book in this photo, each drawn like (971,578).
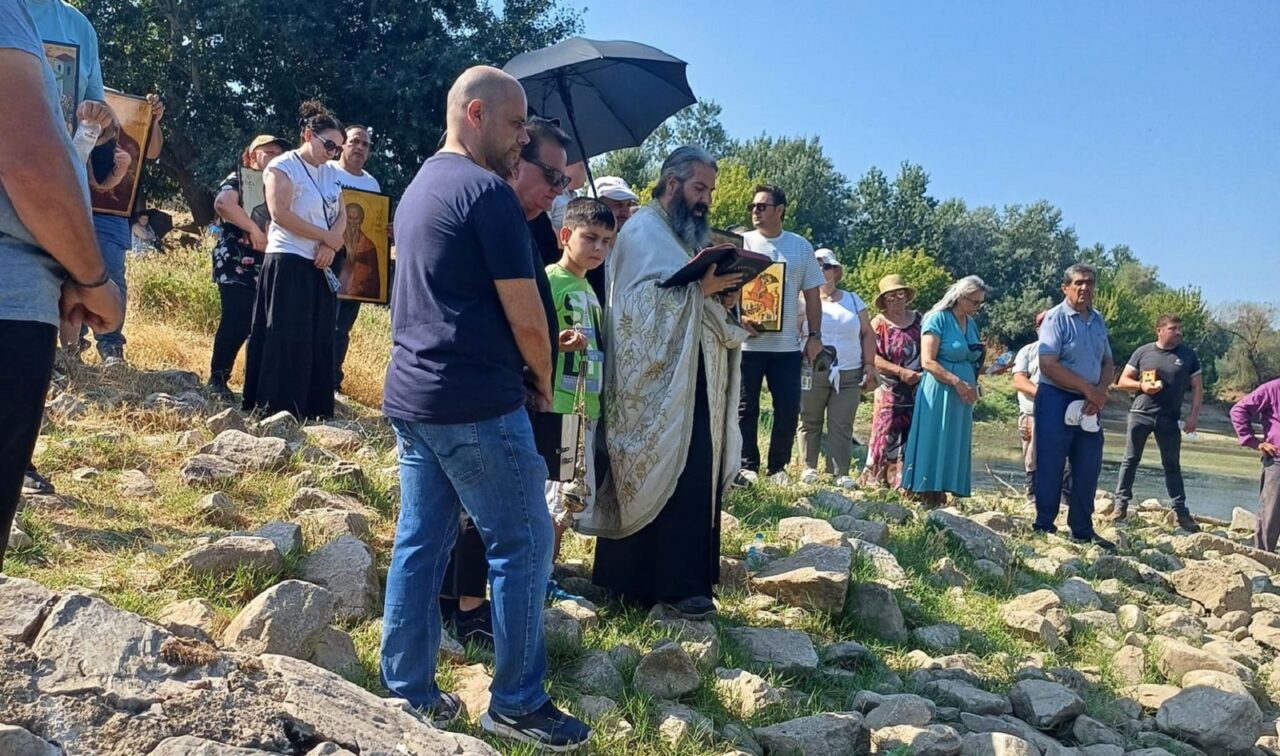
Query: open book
(727,258)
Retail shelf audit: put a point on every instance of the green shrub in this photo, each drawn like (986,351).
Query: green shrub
(916,267)
(177,287)
(999,402)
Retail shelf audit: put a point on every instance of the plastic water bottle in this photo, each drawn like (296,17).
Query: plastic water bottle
(1000,362)
(806,377)
(755,553)
(85,139)
(1192,436)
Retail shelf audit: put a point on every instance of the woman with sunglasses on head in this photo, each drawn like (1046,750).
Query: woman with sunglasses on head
(937,457)
(289,363)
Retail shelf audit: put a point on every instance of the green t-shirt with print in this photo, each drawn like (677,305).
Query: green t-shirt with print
(576,306)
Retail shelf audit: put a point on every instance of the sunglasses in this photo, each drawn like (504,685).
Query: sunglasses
(977,304)
(330,147)
(554,177)
(899,294)
(829,266)
(759,207)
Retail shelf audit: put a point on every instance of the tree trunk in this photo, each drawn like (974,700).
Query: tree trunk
(176,159)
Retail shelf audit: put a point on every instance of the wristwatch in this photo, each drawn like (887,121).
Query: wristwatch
(815,335)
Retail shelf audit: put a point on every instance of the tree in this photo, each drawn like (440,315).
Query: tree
(228,69)
(699,124)
(916,267)
(896,215)
(817,194)
(735,187)
(1254,354)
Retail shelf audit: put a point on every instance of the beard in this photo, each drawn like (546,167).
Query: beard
(693,230)
(498,157)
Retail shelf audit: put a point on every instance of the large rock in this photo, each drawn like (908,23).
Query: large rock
(900,709)
(1214,711)
(596,674)
(1243,520)
(944,637)
(678,724)
(810,530)
(189,745)
(1037,602)
(1032,627)
(135,484)
(320,526)
(934,740)
(1265,629)
(1078,594)
(208,470)
(228,419)
(1216,587)
(349,570)
(1197,545)
(23,606)
(815,577)
(192,618)
(15,741)
(1150,695)
(996,744)
(744,692)
(833,734)
(318,498)
(350,716)
(249,453)
(217,508)
(1088,731)
(287,619)
(980,541)
(876,608)
(887,568)
(287,536)
(1174,659)
(1045,704)
(227,555)
(333,439)
(666,672)
(336,651)
(965,697)
(776,649)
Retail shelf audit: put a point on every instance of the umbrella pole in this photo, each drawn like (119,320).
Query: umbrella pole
(563,86)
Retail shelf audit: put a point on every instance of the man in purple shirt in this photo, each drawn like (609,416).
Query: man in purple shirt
(1264,404)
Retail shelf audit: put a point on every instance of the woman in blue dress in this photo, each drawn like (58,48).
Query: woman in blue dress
(937,458)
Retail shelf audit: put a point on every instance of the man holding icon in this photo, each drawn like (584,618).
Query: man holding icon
(1160,373)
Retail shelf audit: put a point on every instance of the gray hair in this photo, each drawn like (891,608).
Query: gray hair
(680,164)
(965,287)
(1077,269)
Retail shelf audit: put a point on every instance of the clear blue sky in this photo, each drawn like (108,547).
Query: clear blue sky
(1154,124)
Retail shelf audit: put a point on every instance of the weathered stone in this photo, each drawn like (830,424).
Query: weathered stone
(996,744)
(1216,587)
(815,577)
(871,531)
(943,637)
(350,716)
(699,639)
(560,627)
(934,740)
(1089,731)
(23,606)
(678,724)
(596,709)
(810,530)
(779,650)
(228,419)
(249,453)
(320,526)
(287,536)
(900,709)
(1214,711)
(206,470)
(1181,623)
(596,674)
(280,425)
(349,570)
(1031,626)
(1175,658)
(1150,696)
(217,508)
(1096,621)
(18,539)
(945,572)
(135,484)
(318,498)
(666,672)
(886,564)
(287,618)
(966,697)
(227,555)
(472,687)
(1197,545)
(1243,520)
(192,618)
(1077,593)
(1131,617)
(1129,665)
(1045,704)
(846,654)
(876,608)
(980,541)
(1036,602)
(733,574)
(189,745)
(333,439)
(747,693)
(833,734)
(336,652)
(15,741)
(1265,629)
(1011,725)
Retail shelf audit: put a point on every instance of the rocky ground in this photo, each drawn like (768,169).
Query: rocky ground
(211,583)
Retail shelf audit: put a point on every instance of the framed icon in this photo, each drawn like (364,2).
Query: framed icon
(64,59)
(134,114)
(762,299)
(365,275)
(253,197)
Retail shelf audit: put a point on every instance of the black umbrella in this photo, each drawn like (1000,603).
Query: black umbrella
(611,94)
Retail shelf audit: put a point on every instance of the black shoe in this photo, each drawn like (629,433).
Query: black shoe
(475,626)
(1186,521)
(694,608)
(1120,513)
(444,711)
(35,484)
(1096,540)
(548,728)
(219,388)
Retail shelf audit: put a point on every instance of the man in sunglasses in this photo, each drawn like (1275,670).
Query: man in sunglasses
(777,354)
(352,175)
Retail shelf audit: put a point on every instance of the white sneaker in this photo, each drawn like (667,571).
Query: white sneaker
(779,479)
(809,476)
(844,481)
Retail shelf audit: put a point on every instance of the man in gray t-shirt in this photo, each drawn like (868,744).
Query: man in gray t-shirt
(769,310)
(46,244)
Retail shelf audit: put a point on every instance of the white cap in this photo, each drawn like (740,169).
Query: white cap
(826,257)
(614,188)
(1075,416)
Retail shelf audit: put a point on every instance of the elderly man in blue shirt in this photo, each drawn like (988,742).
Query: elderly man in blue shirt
(1075,366)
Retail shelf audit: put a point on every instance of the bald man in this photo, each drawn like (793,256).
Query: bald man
(470,348)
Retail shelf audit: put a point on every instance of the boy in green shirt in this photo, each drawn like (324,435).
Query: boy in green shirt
(586,238)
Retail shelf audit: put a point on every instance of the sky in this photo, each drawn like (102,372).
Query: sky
(1152,124)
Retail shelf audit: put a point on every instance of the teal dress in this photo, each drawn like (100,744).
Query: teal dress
(937,457)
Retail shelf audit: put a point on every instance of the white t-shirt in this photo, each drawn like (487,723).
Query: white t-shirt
(842,329)
(365,182)
(1028,361)
(802,272)
(316,196)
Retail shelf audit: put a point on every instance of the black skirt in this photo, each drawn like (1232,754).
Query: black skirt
(289,360)
(677,556)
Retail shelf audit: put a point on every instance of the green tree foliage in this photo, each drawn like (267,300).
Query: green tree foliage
(228,69)
(895,215)
(916,267)
(1253,356)
(699,124)
(817,194)
(735,187)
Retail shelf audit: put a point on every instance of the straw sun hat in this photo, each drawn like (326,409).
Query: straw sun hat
(893,282)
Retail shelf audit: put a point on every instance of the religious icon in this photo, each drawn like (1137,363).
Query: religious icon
(64,59)
(762,299)
(365,273)
(253,197)
(134,114)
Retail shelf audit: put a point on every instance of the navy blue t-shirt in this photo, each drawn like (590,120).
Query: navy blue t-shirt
(453,357)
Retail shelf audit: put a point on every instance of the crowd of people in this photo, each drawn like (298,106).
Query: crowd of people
(543,375)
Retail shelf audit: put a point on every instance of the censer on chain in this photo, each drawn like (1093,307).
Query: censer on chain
(574,493)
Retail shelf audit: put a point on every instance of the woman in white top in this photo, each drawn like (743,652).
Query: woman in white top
(835,394)
(289,361)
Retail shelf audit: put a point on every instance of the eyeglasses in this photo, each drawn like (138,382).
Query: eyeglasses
(829,266)
(554,177)
(759,207)
(898,294)
(330,147)
(978,304)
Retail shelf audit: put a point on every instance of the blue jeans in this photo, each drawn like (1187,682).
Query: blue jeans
(1056,444)
(492,470)
(114,239)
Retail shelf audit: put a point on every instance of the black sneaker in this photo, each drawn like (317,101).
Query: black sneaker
(1119,514)
(219,388)
(475,626)
(35,484)
(444,711)
(693,608)
(1186,521)
(1096,540)
(548,728)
